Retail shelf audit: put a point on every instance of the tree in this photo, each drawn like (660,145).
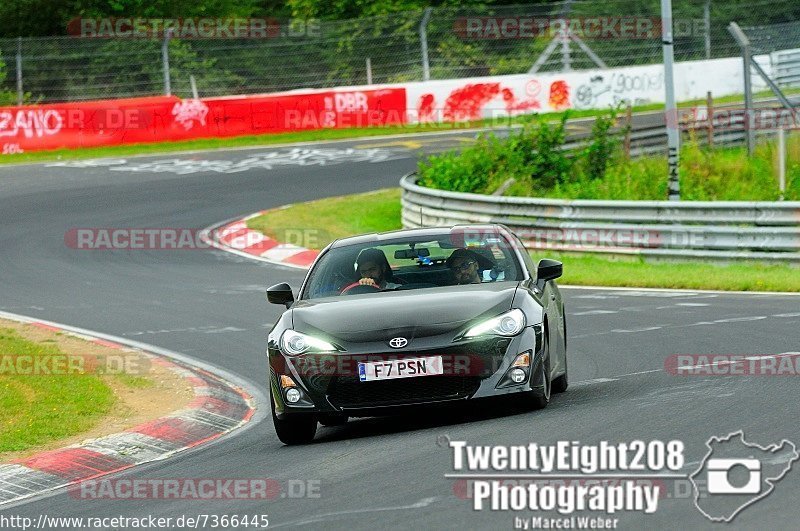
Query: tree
(7,97)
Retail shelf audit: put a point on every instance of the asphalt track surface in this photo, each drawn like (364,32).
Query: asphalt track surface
(374,473)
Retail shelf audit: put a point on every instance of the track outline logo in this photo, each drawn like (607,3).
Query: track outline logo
(716,469)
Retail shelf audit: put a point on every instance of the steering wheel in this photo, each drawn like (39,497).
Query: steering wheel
(355,289)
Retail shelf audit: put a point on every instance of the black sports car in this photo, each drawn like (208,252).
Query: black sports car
(415,317)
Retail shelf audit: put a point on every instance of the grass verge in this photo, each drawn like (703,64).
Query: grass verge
(36,409)
(314,224)
(317,223)
(155,148)
(57,390)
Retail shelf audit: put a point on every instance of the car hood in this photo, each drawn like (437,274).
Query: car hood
(413,313)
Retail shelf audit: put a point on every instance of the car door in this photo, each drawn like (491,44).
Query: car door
(550,298)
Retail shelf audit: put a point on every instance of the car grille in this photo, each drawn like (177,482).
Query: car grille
(349,392)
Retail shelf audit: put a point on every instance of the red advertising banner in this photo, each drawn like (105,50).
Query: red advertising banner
(160,119)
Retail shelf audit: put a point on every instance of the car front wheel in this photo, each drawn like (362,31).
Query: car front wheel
(299,429)
(539,398)
(561,383)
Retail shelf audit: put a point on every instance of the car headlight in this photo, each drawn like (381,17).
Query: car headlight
(508,324)
(295,343)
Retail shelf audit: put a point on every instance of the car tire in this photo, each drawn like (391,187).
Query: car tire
(298,430)
(333,420)
(539,399)
(561,383)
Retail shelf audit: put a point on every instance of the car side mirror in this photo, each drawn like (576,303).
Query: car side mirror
(548,270)
(280,294)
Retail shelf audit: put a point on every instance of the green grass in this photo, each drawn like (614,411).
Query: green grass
(316,223)
(37,409)
(337,217)
(594,270)
(309,136)
(722,174)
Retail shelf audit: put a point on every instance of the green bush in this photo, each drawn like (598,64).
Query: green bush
(602,145)
(7,97)
(533,156)
(535,159)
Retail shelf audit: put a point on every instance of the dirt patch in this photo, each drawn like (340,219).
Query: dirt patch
(143,390)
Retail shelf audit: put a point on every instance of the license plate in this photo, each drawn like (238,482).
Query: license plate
(403,368)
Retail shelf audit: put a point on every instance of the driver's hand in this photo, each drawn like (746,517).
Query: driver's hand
(367,282)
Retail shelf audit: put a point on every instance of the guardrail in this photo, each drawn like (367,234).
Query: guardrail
(787,67)
(717,124)
(723,231)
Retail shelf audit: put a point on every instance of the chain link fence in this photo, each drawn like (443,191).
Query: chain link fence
(782,43)
(441,43)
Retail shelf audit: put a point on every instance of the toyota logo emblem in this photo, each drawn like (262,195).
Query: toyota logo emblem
(398,342)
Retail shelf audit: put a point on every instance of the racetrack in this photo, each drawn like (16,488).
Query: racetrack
(373,473)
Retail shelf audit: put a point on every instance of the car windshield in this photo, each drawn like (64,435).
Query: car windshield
(411,263)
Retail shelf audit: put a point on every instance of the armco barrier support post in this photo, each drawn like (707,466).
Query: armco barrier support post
(628,130)
(423,42)
(782,160)
(710,112)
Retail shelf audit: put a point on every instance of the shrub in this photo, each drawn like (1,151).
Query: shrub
(535,158)
(602,145)
(7,97)
(532,156)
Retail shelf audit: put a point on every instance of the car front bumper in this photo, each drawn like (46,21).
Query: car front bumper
(329,383)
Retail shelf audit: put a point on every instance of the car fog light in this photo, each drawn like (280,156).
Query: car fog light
(518,375)
(292,395)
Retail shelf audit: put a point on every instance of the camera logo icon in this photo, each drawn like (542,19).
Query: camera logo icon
(736,473)
(719,480)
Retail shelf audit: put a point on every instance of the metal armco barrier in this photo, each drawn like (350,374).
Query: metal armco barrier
(691,230)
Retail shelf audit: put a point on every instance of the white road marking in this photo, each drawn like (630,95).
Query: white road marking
(595,312)
(224,330)
(261,161)
(741,319)
(594,381)
(424,502)
(635,330)
(210,329)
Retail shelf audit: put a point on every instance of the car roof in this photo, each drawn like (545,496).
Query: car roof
(425,232)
